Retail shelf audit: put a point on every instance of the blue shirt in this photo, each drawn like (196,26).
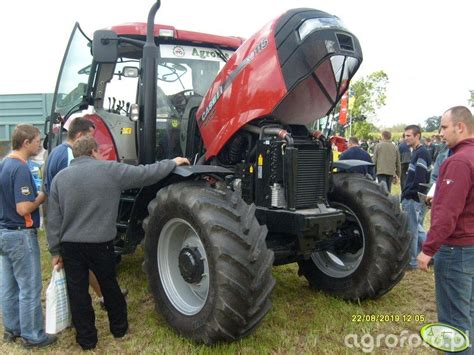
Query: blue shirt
(59,159)
(358,154)
(442,156)
(16,185)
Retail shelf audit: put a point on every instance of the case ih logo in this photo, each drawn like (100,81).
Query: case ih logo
(178,51)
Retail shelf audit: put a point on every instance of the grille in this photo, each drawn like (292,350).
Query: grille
(345,42)
(310,177)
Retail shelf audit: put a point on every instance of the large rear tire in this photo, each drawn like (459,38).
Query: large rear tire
(373,251)
(207,262)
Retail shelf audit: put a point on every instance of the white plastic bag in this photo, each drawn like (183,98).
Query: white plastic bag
(58,313)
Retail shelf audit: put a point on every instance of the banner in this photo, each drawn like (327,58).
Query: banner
(343,110)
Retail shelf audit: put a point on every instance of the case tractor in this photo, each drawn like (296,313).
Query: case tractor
(262,188)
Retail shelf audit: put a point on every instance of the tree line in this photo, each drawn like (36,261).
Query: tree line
(366,96)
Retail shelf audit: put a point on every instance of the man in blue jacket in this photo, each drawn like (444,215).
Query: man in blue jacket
(356,152)
(61,155)
(418,173)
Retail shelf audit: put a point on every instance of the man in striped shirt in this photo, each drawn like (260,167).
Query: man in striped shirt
(418,173)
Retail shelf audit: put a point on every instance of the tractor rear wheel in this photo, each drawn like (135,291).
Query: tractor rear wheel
(207,262)
(372,252)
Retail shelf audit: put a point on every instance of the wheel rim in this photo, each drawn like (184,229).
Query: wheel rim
(187,297)
(343,264)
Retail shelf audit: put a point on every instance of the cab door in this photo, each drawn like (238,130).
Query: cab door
(72,87)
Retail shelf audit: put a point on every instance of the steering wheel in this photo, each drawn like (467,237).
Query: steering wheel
(180,99)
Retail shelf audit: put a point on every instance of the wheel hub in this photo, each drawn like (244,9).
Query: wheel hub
(191,265)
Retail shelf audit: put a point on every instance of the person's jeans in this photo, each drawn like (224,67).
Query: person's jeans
(78,259)
(415,213)
(454,283)
(21,284)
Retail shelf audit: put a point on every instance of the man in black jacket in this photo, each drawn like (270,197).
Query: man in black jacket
(356,152)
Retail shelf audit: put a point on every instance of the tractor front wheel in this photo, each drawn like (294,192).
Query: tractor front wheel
(371,250)
(208,266)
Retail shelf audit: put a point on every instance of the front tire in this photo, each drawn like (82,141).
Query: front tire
(208,266)
(372,258)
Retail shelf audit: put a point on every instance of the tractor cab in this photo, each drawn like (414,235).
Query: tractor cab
(112,91)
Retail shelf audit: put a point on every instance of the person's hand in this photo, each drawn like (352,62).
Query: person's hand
(428,201)
(395,179)
(57,261)
(41,197)
(423,261)
(181,161)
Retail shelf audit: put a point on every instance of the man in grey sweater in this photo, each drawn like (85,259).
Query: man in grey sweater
(83,207)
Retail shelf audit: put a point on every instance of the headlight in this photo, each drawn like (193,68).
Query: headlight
(134,112)
(314,24)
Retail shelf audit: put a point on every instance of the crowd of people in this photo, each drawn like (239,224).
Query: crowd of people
(80,240)
(444,162)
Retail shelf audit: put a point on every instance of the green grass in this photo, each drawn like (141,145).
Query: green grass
(301,321)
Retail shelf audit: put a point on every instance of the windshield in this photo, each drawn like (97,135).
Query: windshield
(72,83)
(185,73)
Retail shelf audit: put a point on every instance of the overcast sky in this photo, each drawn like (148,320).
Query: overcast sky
(425,47)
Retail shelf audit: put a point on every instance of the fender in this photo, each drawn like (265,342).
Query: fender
(140,199)
(186,171)
(350,163)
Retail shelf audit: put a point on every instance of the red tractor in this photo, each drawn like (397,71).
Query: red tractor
(260,190)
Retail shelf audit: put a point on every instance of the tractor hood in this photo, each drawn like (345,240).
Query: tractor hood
(294,70)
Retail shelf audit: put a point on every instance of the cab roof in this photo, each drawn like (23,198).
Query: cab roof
(139,29)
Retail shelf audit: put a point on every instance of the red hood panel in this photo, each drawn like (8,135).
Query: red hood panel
(249,86)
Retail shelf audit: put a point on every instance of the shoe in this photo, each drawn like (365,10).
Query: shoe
(50,339)
(118,336)
(9,337)
(411,268)
(121,334)
(88,347)
(101,299)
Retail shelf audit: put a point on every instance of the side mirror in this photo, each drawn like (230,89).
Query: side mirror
(105,46)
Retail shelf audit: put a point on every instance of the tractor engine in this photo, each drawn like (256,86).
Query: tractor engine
(283,170)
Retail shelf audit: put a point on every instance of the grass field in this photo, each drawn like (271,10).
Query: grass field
(301,321)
